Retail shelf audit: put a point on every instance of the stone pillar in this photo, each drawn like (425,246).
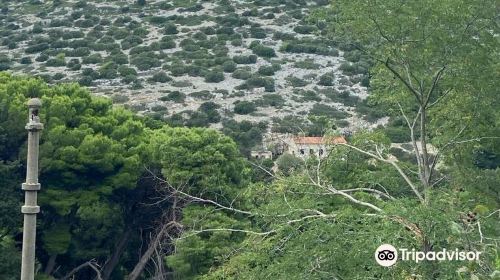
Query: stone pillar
(31,187)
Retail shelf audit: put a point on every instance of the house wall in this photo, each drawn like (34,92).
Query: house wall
(307,150)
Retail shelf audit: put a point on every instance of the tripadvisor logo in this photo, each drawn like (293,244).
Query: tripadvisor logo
(387,255)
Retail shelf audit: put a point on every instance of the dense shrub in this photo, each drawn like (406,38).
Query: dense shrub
(118,57)
(307,95)
(210,110)
(177,69)
(74,64)
(108,71)
(175,96)
(92,59)
(85,23)
(283,36)
(308,47)
(25,60)
(262,51)
(85,81)
(161,77)
(194,8)
(209,30)
(79,43)
(119,98)
(37,28)
(244,107)
(258,33)
(145,61)
(251,13)
(60,23)
(229,66)
(59,44)
(257,81)
(58,61)
(242,74)
(4,62)
(139,50)
(126,71)
(170,29)
(79,52)
(118,33)
(328,111)
(67,35)
(158,20)
(245,59)
(296,82)
(204,95)
(305,29)
(214,77)
(89,72)
(307,64)
(236,42)
(130,79)
(167,43)
(227,30)
(37,48)
(131,41)
(354,68)
(42,57)
(273,100)
(326,79)
(266,70)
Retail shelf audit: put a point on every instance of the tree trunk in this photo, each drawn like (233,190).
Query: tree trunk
(50,264)
(115,258)
(139,267)
(425,178)
(171,223)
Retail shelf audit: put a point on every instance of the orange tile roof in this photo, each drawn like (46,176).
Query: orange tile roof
(319,140)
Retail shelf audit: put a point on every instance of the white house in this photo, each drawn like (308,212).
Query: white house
(276,144)
(307,146)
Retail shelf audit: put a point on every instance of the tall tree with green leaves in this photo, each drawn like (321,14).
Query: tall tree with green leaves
(423,52)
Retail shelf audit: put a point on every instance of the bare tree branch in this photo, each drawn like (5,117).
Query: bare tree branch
(92,264)
(394,164)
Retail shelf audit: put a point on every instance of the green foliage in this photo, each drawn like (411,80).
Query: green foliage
(108,71)
(175,96)
(307,64)
(326,79)
(242,74)
(215,154)
(288,164)
(126,71)
(92,59)
(305,29)
(229,66)
(214,77)
(161,77)
(91,159)
(296,82)
(308,46)
(328,111)
(210,110)
(170,29)
(242,59)
(145,61)
(245,133)
(262,50)
(244,107)
(266,70)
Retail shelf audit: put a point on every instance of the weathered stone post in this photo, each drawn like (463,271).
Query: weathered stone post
(31,187)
